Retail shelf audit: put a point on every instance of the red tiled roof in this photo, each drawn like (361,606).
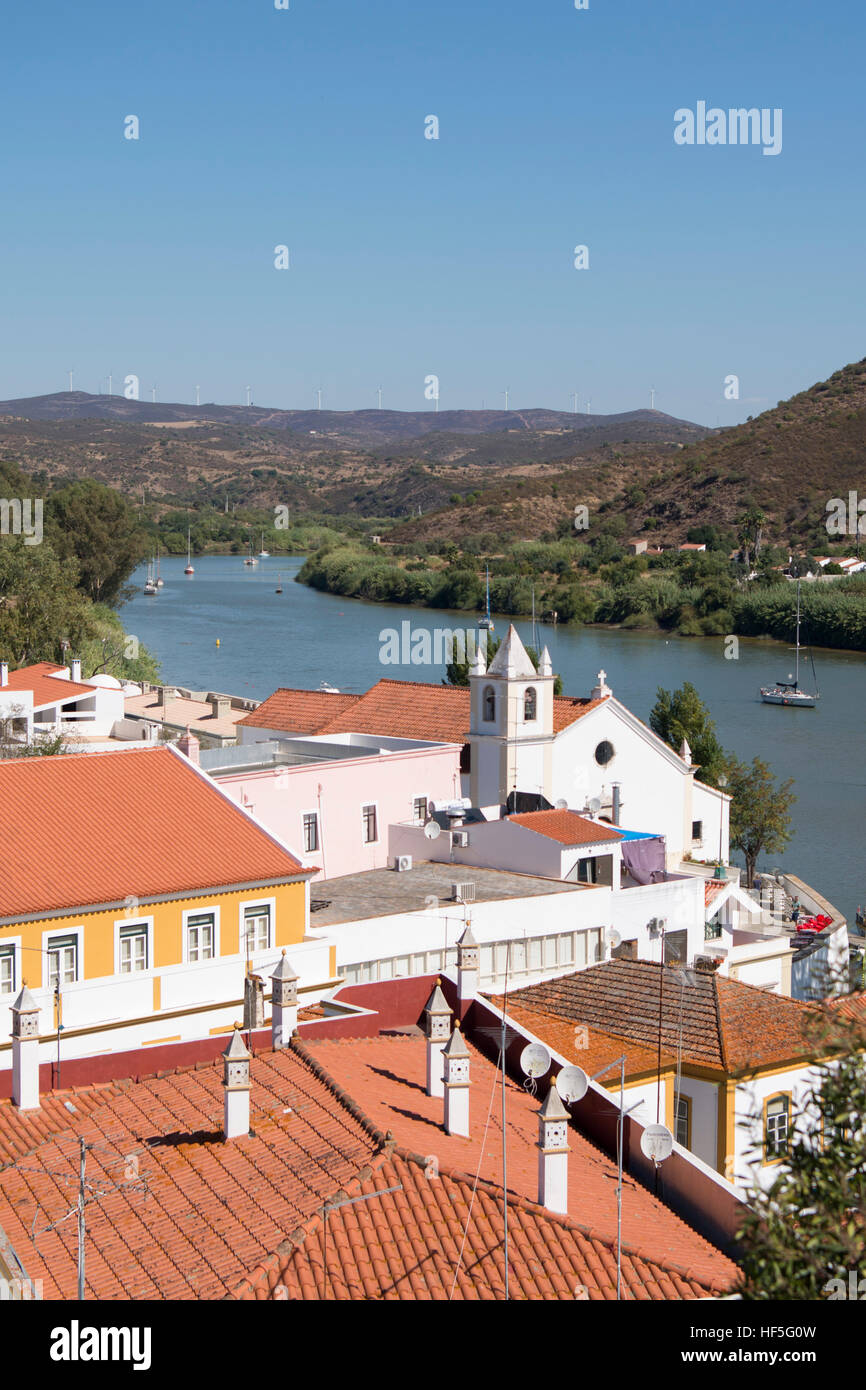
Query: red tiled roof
(387,1076)
(439,1238)
(202,1212)
(566,827)
(712,889)
(404,709)
(47,688)
(24,1130)
(851,1006)
(97,828)
(589,1048)
(718,1023)
(297,711)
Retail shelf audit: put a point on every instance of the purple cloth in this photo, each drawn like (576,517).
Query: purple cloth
(645,859)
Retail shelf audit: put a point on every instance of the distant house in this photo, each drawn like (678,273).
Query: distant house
(636,546)
(47,698)
(691,545)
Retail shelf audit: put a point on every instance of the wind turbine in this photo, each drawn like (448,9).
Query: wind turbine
(588,404)
(248,389)
(574,401)
(379,393)
(153,394)
(319,394)
(69,374)
(652,398)
(505,394)
(198,395)
(110,380)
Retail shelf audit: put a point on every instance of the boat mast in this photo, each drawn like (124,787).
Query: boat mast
(797,666)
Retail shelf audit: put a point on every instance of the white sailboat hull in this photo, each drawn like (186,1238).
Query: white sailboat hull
(794,698)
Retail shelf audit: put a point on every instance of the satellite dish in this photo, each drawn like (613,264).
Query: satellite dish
(561,804)
(595,805)
(613,938)
(432,830)
(657,1143)
(572,1084)
(535,1060)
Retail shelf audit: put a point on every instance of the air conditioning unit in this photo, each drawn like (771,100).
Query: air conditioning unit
(657,925)
(460,838)
(402,863)
(463,892)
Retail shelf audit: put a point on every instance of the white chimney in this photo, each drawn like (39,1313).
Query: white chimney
(236,1087)
(4,673)
(189,745)
(467,966)
(686,752)
(456,1059)
(25,1051)
(75,668)
(437,1028)
(553,1153)
(284,1003)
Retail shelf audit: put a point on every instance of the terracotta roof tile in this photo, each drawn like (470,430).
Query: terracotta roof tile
(406,709)
(46,686)
(567,827)
(160,825)
(586,1047)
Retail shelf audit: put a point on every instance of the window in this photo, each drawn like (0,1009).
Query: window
(697,831)
(777,1119)
(62,960)
(489,714)
(133,949)
(586,871)
(371,834)
(311,832)
(604,753)
(257,928)
(530,703)
(7,970)
(419,809)
(683,1121)
(200,937)
(713,930)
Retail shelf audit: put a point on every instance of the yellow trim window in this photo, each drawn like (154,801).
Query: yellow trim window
(257,928)
(683,1121)
(777,1125)
(200,937)
(62,960)
(133,949)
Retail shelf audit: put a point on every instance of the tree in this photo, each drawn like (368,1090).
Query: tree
(99,527)
(682,714)
(750,529)
(457,672)
(760,811)
(40,604)
(803,1238)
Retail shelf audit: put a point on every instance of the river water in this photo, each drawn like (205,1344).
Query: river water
(303,637)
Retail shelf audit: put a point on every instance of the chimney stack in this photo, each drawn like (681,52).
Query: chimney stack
(4,673)
(284,1003)
(553,1154)
(456,1059)
(467,966)
(189,745)
(25,1051)
(437,1027)
(75,668)
(236,1086)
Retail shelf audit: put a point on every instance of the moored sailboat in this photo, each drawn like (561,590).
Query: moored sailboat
(788,692)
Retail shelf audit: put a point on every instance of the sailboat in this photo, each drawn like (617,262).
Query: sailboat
(251,559)
(159,580)
(279,588)
(189,569)
(264,554)
(486,623)
(788,692)
(149,584)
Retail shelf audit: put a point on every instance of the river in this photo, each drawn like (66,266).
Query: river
(303,637)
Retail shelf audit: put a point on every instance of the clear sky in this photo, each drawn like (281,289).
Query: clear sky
(409,256)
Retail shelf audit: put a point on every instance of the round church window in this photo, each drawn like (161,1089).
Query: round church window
(604,752)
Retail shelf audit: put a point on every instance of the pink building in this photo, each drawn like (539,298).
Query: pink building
(332,799)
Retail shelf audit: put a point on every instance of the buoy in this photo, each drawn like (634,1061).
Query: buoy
(218,641)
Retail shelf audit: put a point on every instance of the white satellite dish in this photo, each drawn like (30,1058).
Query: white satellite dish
(595,805)
(613,938)
(535,1060)
(561,804)
(432,830)
(657,1143)
(572,1084)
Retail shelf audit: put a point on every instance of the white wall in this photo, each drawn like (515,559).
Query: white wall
(749,1104)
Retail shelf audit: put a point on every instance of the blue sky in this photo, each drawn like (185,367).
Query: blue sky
(409,256)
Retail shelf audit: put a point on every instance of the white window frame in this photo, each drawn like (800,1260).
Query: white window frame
(312,811)
(201,911)
(11,945)
(268,905)
(146,924)
(58,932)
(367,806)
(416,820)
